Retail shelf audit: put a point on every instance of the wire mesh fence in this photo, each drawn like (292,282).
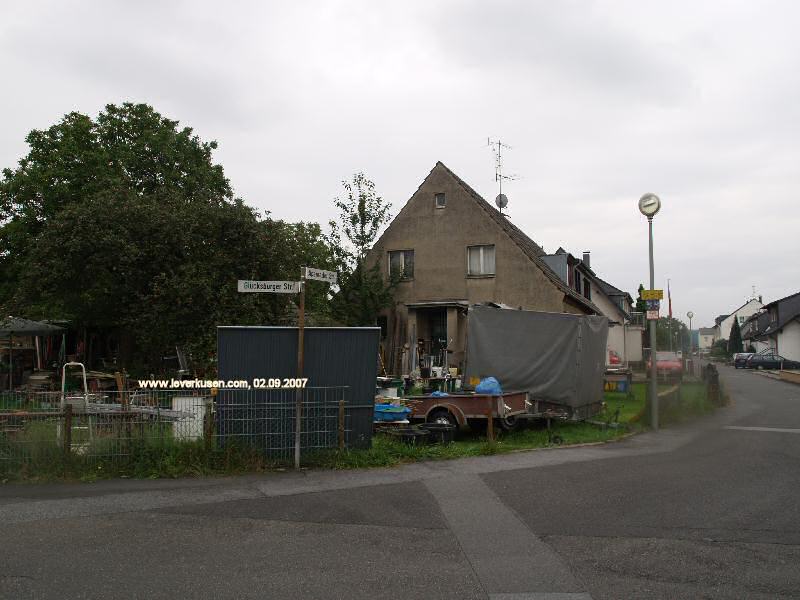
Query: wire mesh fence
(46,431)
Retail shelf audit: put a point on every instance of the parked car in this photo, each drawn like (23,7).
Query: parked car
(770,361)
(740,359)
(668,365)
(614,358)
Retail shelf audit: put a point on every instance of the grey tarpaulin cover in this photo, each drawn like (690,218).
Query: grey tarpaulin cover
(557,357)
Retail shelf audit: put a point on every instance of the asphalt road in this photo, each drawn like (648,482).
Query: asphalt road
(709,510)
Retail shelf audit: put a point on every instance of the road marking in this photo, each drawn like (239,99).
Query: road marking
(542,596)
(509,560)
(772,429)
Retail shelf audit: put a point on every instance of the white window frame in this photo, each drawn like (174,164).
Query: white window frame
(482,261)
(436,200)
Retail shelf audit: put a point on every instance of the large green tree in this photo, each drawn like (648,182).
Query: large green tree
(125,226)
(363,292)
(677,329)
(130,149)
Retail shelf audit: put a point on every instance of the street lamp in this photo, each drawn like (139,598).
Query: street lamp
(690,314)
(649,205)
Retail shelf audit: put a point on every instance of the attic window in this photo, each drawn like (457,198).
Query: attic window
(440,200)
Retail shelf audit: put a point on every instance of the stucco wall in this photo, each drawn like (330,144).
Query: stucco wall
(439,238)
(747,310)
(789,341)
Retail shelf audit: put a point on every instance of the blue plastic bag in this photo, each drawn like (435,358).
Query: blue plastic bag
(489,386)
(438,394)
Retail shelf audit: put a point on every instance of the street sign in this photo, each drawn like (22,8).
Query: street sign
(273,287)
(652,304)
(320,275)
(652,294)
(652,315)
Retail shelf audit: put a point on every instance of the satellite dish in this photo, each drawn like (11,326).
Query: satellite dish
(501,201)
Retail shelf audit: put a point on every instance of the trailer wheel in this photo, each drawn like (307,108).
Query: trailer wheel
(444,417)
(509,423)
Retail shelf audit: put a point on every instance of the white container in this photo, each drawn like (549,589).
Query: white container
(189,425)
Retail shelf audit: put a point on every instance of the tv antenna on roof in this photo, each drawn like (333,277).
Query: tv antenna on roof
(497,147)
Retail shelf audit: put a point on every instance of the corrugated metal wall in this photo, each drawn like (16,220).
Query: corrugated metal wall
(334,356)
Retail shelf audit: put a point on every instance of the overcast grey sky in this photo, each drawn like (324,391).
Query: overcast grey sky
(698,102)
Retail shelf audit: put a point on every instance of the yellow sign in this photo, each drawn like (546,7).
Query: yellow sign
(652,294)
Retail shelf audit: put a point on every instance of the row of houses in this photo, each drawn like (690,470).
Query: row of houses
(451,249)
(774,326)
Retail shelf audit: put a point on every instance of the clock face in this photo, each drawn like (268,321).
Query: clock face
(649,204)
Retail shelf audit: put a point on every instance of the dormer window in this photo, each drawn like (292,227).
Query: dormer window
(440,200)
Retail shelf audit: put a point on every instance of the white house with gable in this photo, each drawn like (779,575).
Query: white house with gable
(741,314)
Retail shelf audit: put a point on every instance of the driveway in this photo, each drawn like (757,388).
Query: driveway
(704,511)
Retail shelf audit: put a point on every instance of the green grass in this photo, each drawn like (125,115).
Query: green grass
(387,451)
(36,454)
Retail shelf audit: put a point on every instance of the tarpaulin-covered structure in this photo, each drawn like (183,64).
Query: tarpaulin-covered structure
(558,358)
(11,326)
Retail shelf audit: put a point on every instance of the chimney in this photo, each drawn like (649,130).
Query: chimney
(586,259)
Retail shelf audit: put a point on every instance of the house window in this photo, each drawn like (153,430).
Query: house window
(480,260)
(578,281)
(440,200)
(587,289)
(401,264)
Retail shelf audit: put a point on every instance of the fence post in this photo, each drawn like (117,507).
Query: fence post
(490,422)
(341,424)
(67,430)
(209,420)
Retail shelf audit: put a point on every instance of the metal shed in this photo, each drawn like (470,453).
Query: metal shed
(334,357)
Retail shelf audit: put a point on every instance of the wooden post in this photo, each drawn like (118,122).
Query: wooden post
(67,430)
(490,423)
(341,424)
(299,396)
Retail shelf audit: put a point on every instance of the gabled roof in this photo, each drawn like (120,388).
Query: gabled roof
(707,331)
(756,324)
(530,248)
(720,319)
(610,290)
(788,310)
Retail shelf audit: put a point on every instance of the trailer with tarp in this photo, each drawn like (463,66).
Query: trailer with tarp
(558,358)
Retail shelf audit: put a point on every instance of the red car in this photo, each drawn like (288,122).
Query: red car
(614,358)
(668,365)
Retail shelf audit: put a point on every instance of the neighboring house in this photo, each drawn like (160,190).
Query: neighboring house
(752,329)
(573,271)
(631,329)
(746,310)
(782,331)
(451,249)
(624,328)
(706,338)
(717,322)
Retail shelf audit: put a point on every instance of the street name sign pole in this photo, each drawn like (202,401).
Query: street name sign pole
(301,320)
(293,287)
